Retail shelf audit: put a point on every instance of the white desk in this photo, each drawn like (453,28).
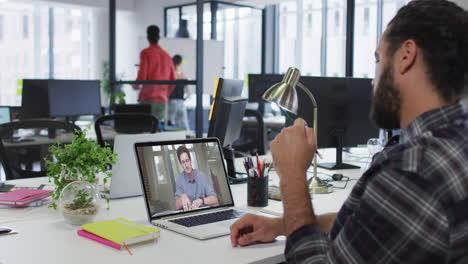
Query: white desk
(43,237)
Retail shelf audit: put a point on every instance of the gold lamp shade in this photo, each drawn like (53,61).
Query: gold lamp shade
(284,93)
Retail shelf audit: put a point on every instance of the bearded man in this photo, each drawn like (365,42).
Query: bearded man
(411,205)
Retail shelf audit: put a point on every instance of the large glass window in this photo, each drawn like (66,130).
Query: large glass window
(23,47)
(189,13)
(366,33)
(390,8)
(72,43)
(365,38)
(301,37)
(172,22)
(336,38)
(288,28)
(239,27)
(312,37)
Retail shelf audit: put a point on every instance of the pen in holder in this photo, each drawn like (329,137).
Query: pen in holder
(257,182)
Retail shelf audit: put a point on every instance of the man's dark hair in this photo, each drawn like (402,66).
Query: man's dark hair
(440,29)
(152,33)
(183,149)
(177,59)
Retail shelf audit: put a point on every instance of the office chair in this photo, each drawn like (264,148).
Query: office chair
(23,146)
(125,123)
(253,144)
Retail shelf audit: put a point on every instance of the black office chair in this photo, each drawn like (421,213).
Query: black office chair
(249,143)
(125,123)
(25,144)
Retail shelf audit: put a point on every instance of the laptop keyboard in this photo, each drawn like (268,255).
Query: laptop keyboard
(207,218)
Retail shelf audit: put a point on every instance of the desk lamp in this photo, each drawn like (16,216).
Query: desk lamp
(284,94)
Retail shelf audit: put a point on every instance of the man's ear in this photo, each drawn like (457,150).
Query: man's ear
(406,56)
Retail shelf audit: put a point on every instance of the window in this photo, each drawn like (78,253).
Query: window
(20,54)
(25,27)
(366,32)
(336,41)
(160,168)
(239,27)
(71,43)
(25,44)
(365,38)
(312,40)
(288,42)
(172,22)
(366,21)
(304,44)
(2,25)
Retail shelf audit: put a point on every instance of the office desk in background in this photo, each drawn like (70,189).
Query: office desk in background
(43,237)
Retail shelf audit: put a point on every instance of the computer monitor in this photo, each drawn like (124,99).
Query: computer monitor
(226,114)
(225,88)
(35,99)
(70,98)
(5,115)
(259,83)
(343,114)
(343,110)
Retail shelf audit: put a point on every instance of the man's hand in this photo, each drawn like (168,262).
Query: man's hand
(186,204)
(197,203)
(293,149)
(254,228)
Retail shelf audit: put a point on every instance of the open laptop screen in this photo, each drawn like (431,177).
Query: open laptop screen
(184,175)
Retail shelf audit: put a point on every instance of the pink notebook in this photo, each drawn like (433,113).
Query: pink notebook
(23,196)
(99,239)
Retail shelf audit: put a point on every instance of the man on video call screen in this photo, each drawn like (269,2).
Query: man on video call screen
(192,187)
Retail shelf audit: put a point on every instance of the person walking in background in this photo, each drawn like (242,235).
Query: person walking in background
(155,64)
(177,110)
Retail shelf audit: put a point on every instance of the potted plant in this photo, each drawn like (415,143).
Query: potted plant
(79,202)
(82,161)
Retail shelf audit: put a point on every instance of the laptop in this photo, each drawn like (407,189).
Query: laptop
(125,181)
(186,187)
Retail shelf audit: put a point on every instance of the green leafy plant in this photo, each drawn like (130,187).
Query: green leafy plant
(82,200)
(81,160)
(120,96)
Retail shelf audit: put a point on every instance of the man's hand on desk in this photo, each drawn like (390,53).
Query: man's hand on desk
(252,229)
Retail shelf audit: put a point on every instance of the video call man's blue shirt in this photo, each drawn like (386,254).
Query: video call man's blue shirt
(199,187)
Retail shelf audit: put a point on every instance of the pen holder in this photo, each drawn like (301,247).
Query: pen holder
(257,191)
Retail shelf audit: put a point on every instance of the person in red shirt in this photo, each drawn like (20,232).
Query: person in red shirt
(155,64)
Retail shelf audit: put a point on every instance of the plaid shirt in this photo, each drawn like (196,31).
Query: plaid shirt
(410,206)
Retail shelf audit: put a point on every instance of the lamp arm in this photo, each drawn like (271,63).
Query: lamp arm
(309,94)
(312,98)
